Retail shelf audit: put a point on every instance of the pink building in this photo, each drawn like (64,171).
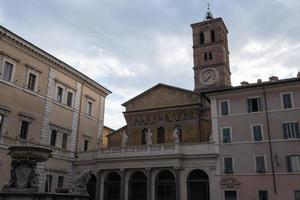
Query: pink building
(257,129)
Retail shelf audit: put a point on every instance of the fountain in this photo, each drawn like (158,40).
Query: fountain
(23,184)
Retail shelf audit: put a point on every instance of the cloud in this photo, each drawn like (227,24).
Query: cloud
(129,46)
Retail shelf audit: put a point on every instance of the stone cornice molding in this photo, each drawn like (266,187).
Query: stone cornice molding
(31,48)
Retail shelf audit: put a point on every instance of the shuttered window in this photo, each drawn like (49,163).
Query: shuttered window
(228,165)
(287,100)
(291,130)
(254,104)
(293,162)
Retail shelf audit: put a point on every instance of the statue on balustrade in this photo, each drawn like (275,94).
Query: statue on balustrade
(124,139)
(176,133)
(149,137)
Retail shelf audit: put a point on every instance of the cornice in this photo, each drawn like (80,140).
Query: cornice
(29,47)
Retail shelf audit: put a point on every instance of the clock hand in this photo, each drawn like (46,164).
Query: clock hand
(207,78)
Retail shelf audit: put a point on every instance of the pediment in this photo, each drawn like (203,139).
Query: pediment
(161,96)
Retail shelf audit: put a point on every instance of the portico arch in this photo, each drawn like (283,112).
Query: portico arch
(198,185)
(112,186)
(165,186)
(137,186)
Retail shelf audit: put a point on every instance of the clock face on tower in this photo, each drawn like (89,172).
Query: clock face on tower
(209,77)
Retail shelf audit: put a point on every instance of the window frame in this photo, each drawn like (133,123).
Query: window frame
(285,135)
(260,106)
(282,100)
(68,90)
(232,162)
(58,85)
(59,183)
(62,141)
(268,193)
(85,147)
(5,59)
(222,134)
(265,163)
(220,107)
(55,138)
(261,132)
(289,166)
(232,190)
(27,131)
(88,111)
(34,72)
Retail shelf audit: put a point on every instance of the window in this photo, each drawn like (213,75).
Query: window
(254,104)
(24,129)
(31,85)
(230,195)
(226,132)
(48,183)
(53,138)
(59,94)
(260,164)
(228,165)
(64,141)
(293,162)
(257,132)
(7,71)
(205,56)
(263,195)
(85,145)
(89,107)
(210,56)
(201,38)
(60,182)
(212,36)
(297,195)
(291,130)
(160,135)
(224,108)
(69,99)
(286,100)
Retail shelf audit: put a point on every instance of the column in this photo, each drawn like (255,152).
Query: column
(122,174)
(177,183)
(149,185)
(98,184)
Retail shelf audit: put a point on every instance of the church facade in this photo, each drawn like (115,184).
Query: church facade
(217,142)
(166,151)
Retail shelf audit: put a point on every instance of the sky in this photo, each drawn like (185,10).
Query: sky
(129,46)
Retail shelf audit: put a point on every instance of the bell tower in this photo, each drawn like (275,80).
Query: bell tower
(211,54)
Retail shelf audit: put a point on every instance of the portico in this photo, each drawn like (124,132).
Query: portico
(155,172)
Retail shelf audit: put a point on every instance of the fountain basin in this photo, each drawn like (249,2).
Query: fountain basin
(38,154)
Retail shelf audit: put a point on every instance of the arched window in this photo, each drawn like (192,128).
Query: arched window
(112,186)
(161,135)
(137,186)
(210,56)
(144,136)
(212,36)
(165,186)
(198,185)
(201,38)
(205,56)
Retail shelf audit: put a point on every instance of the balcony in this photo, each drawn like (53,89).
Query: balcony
(168,149)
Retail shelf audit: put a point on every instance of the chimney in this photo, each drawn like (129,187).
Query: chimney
(244,83)
(259,80)
(298,75)
(273,78)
